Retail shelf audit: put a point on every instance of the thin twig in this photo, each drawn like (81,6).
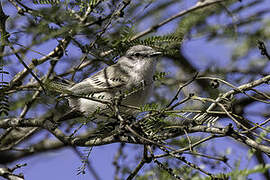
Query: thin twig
(162,166)
(140,165)
(116,160)
(235,88)
(188,147)
(180,14)
(180,88)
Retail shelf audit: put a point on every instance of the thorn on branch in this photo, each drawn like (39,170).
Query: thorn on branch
(228,129)
(18,166)
(214,84)
(148,159)
(225,159)
(35,62)
(155,27)
(121,14)
(99,21)
(126,2)
(21,12)
(262,48)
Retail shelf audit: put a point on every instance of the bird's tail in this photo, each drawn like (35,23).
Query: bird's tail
(200,117)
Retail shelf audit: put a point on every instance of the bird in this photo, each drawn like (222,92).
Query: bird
(132,75)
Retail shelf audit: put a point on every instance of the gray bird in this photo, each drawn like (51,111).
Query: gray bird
(132,74)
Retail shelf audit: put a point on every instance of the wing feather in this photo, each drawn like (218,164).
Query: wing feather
(110,78)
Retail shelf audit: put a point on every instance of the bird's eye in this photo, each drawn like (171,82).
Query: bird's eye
(137,54)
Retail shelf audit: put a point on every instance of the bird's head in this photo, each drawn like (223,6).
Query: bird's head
(141,51)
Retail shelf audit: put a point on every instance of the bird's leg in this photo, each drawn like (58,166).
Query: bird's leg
(116,102)
(142,84)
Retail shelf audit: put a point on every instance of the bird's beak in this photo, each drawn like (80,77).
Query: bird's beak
(155,54)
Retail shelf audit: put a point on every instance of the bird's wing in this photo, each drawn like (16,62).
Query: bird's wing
(110,78)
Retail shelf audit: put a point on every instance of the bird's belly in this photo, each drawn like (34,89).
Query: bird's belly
(88,107)
(139,98)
